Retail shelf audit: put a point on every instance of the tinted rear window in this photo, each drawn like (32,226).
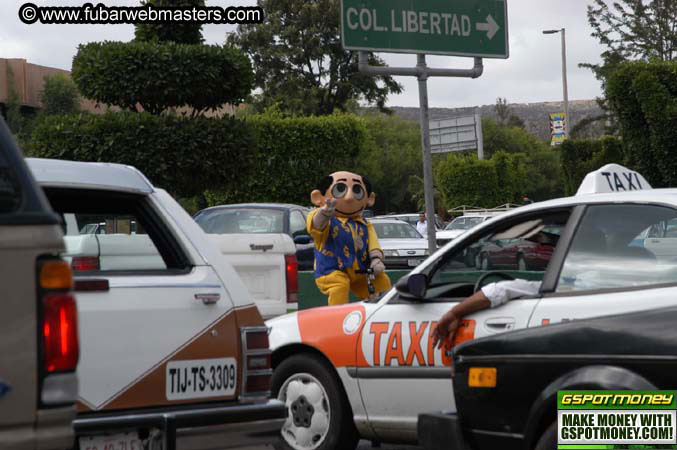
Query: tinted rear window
(242,220)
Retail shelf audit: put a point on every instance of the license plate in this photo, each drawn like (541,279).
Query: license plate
(121,441)
(200,378)
(414,262)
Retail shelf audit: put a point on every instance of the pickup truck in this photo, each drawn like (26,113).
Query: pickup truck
(38,324)
(174,352)
(265,262)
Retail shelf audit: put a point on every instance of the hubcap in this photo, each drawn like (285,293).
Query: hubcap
(307,402)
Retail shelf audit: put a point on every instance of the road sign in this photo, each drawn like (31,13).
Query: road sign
(455,134)
(443,27)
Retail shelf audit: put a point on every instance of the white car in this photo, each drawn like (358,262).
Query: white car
(173,350)
(368,369)
(403,246)
(460,225)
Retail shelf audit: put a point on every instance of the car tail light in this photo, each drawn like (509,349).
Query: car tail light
(60,332)
(257,370)
(85,263)
(292,271)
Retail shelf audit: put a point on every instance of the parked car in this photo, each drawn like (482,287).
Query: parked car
(460,225)
(262,218)
(621,352)
(372,363)
(174,351)
(39,343)
(518,254)
(403,246)
(411,219)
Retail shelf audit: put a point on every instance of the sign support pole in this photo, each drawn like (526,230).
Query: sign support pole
(427,155)
(422,72)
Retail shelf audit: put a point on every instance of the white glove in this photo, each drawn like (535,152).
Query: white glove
(377,265)
(329,207)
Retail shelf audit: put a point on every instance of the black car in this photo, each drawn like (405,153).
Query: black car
(635,351)
(262,218)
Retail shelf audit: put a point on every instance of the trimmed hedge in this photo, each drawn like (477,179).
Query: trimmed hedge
(184,156)
(581,156)
(291,156)
(182,33)
(644,98)
(466,180)
(158,76)
(261,159)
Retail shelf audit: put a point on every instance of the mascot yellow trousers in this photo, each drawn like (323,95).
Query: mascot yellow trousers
(338,285)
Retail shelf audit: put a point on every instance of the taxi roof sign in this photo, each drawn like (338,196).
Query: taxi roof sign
(612,178)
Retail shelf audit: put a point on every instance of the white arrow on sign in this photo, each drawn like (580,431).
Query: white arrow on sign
(490,26)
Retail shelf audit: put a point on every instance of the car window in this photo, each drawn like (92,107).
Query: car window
(395,231)
(241,220)
(618,246)
(10,193)
(297,224)
(112,232)
(522,249)
(109,241)
(464,223)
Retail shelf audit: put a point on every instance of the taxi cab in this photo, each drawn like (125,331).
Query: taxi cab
(173,351)
(368,369)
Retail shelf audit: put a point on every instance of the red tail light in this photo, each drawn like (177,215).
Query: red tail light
(85,263)
(257,370)
(60,333)
(292,278)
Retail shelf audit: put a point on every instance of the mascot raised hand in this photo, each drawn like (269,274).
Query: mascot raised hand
(346,245)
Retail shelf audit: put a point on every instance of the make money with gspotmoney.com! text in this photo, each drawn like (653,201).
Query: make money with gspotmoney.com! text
(88,13)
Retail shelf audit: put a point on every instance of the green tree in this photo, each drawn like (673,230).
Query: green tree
(505,114)
(644,98)
(59,95)
(299,61)
(631,30)
(498,137)
(183,33)
(392,155)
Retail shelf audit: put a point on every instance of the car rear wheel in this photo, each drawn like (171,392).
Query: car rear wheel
(319,415)
(548,440)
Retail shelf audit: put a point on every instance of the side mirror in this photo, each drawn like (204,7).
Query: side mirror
(302,239)
(412,285)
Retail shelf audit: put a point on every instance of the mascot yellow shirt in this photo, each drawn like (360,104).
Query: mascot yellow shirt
(344,243)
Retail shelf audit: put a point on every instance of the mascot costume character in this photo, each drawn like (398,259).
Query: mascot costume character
(346,245)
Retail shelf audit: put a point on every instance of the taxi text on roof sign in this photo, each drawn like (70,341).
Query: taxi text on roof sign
(612,178)
(443,27)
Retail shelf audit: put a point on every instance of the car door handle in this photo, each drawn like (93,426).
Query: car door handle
(497,324)
(655,241)
(208,299)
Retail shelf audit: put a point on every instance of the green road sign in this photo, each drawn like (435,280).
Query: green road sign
(443,27)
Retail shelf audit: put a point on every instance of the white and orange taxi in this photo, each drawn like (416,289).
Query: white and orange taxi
(368,369)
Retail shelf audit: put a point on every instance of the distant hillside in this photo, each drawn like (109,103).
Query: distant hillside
(536,116)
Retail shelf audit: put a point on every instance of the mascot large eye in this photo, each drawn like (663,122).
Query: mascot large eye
(358,191)
(339,190)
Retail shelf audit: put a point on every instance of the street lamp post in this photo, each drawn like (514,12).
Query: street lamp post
(564,78)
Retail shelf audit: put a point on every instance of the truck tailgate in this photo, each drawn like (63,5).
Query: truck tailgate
(259,259)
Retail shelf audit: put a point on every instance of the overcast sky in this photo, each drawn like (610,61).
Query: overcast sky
(532,73)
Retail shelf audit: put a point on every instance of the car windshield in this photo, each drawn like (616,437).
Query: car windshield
(464,223)
(396,231)
(241,220)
